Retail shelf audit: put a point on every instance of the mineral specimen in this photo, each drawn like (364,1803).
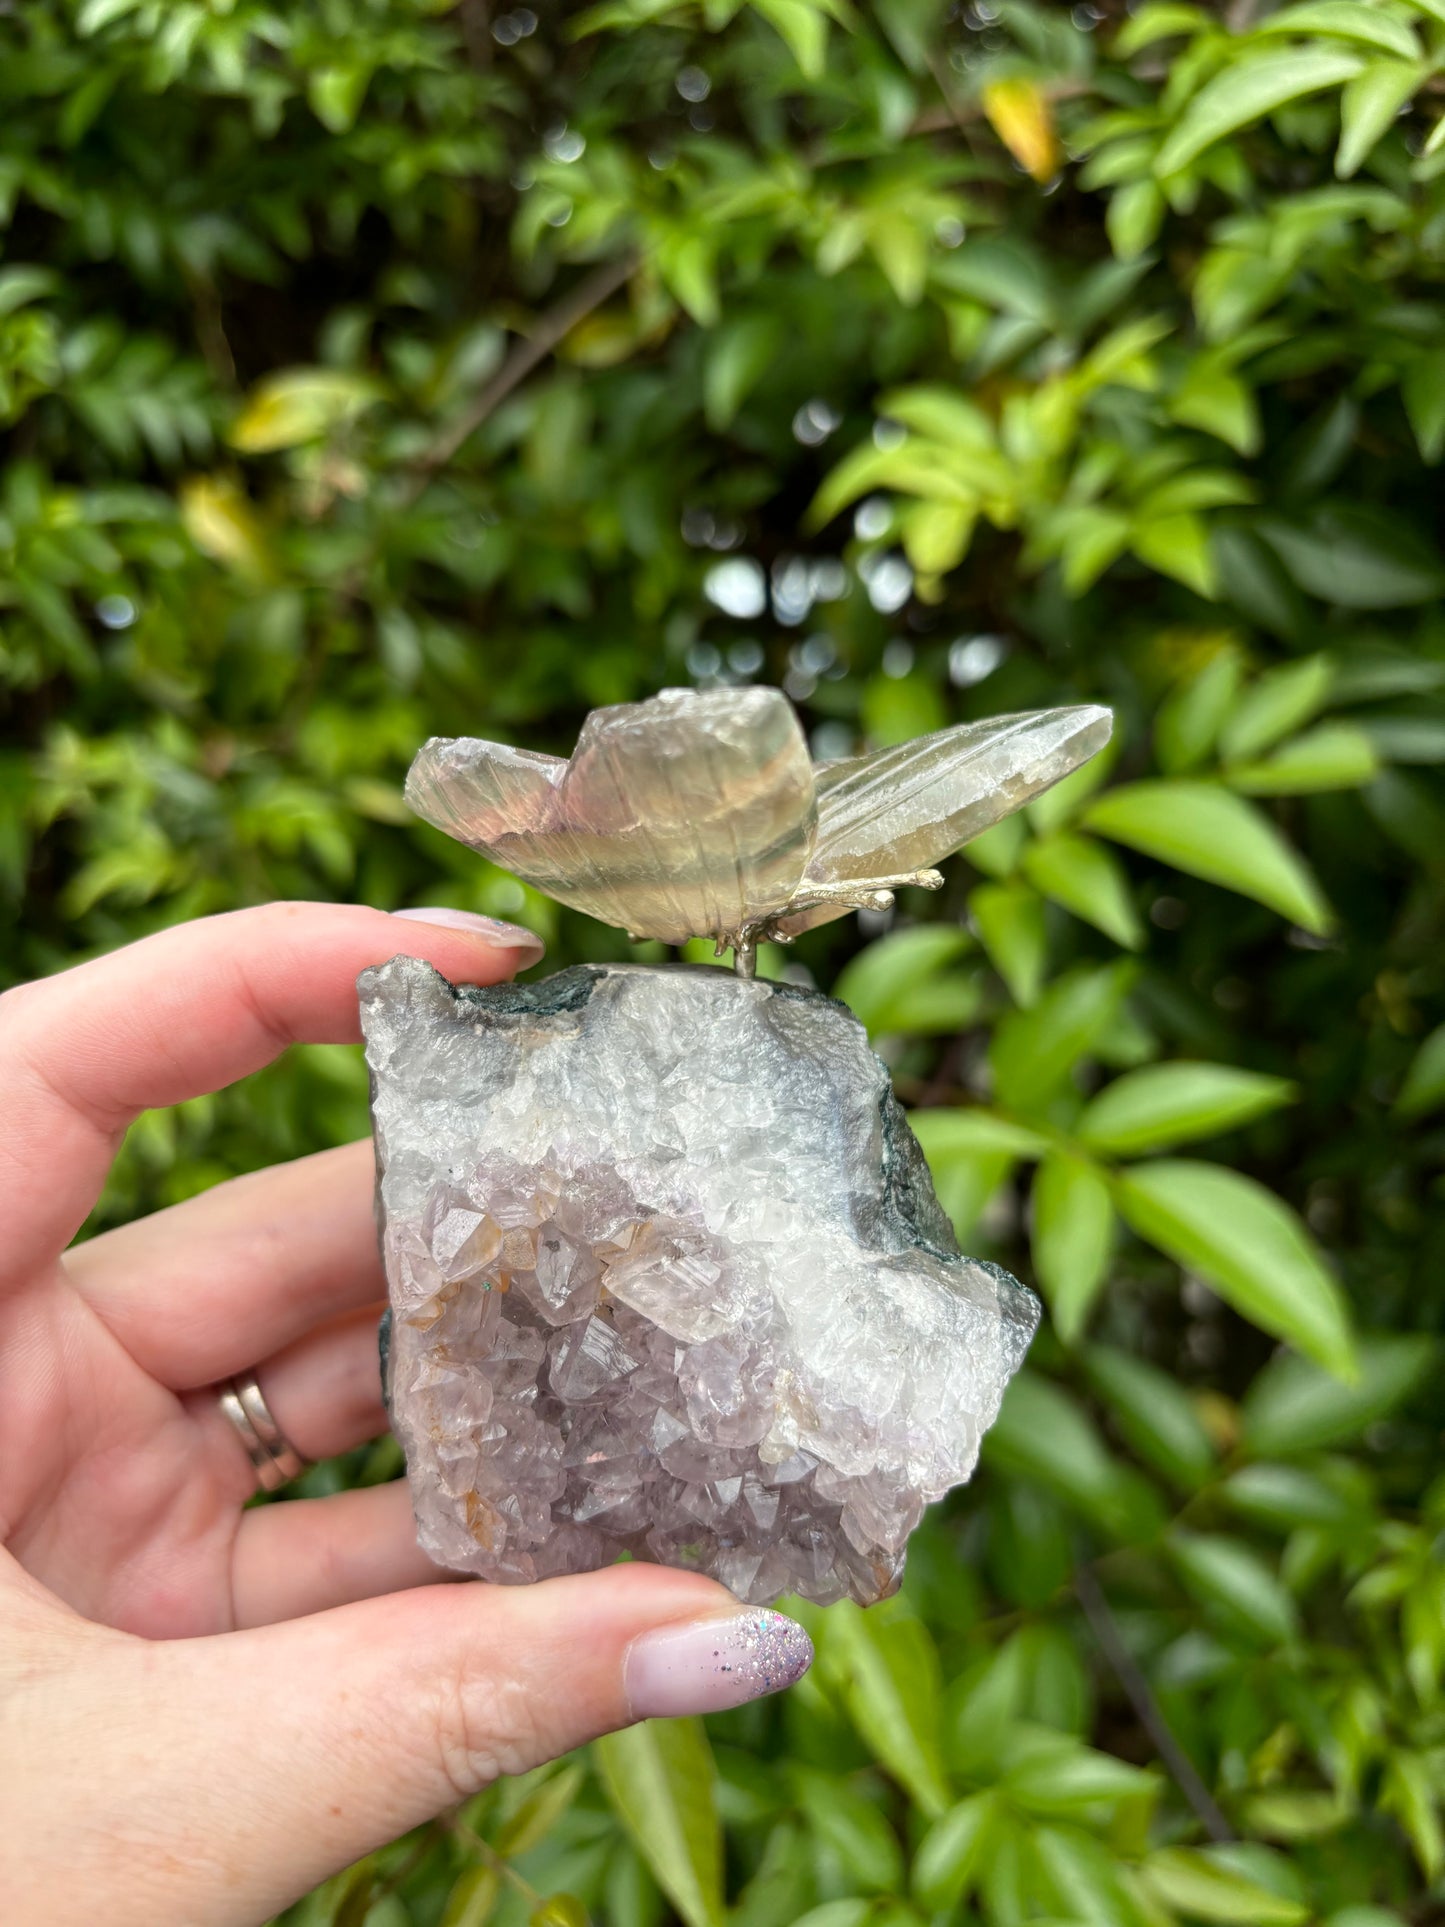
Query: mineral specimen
(699,813)
(668,1277)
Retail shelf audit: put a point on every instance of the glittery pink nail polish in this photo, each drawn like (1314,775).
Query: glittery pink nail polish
(710,1664)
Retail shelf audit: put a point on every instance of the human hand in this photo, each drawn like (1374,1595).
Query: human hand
(206,1709)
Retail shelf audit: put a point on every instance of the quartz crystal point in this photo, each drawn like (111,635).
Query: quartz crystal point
(668,1277)
(700,814)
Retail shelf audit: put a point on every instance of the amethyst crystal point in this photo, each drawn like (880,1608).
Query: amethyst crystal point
(668,1277)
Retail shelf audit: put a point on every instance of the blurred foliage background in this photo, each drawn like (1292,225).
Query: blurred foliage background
(370,368)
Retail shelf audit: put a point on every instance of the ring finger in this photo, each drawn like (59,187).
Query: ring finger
(323,1391)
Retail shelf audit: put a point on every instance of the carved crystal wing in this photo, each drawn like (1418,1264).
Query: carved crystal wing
(692,814)
(699,814)
(907,807)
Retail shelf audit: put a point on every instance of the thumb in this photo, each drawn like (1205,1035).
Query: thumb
(276,1756)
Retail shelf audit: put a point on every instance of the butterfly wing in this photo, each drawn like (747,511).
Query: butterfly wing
(908,806)
(690,814)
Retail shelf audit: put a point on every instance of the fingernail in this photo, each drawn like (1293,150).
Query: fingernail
(711,1664)
(506,936)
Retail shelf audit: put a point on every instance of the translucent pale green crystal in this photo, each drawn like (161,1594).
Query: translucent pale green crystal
(691,814)
(699,814)
(911,805)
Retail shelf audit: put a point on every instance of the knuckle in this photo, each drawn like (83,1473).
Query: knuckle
(485,1725)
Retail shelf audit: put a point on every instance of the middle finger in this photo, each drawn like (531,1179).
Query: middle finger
(203,1290)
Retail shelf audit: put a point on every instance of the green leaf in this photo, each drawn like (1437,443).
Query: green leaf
(804,27)
(1219,403)
(996,851)
(945,1133)
(660,1779)
(21,283)
(1356,558)
(1285,1496)
(738,356)
(559,1910)
(1198,1883)
(336,94)
(1082,1873)
(1135,216)
(1417,738)
(895,709)
(1366,1917)
(687,263)
(1190,718)
(1072,1237)
(1158,20)
(839,1913)
(1088,879)
(1009,919)
(1152,1415)
(952,1852)
(897,984)
(970,1153)
(1203,829)
(1294,1815)
(886,1669)
(966,1172)
(1294,1407)
(936,535)
(1411,1790)
(853,1828)
(1248,90)
(1423,389)
(1051,1774)
(531,1822)
(1278,702)
(1343,20)
(473,1898)
(1254,580)
(355,1900)
(901,251)
(1249,1245)
(1229,1576)
(1177,546)
(1336,756)
(1371,102)
(1041,1434)
(1161,1105)
(1423,1090)
(1034,1051)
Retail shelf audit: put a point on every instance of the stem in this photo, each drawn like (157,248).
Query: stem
(552,328)
(498,1863)
(1140,1695)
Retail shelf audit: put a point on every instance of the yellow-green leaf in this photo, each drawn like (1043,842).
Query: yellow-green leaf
(1204,829)
(1088,879)
(1020,114)
(1246,92)
(1072,1238)
(660,1778)
(1161,1105)
(1249,1245)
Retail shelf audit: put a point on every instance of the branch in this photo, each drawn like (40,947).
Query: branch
(1140,1694)
(551,329)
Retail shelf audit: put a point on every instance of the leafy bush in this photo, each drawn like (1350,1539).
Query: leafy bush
(371,368)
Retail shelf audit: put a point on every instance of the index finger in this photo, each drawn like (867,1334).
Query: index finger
(183,1012)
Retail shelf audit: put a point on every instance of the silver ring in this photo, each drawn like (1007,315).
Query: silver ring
(267,1447)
